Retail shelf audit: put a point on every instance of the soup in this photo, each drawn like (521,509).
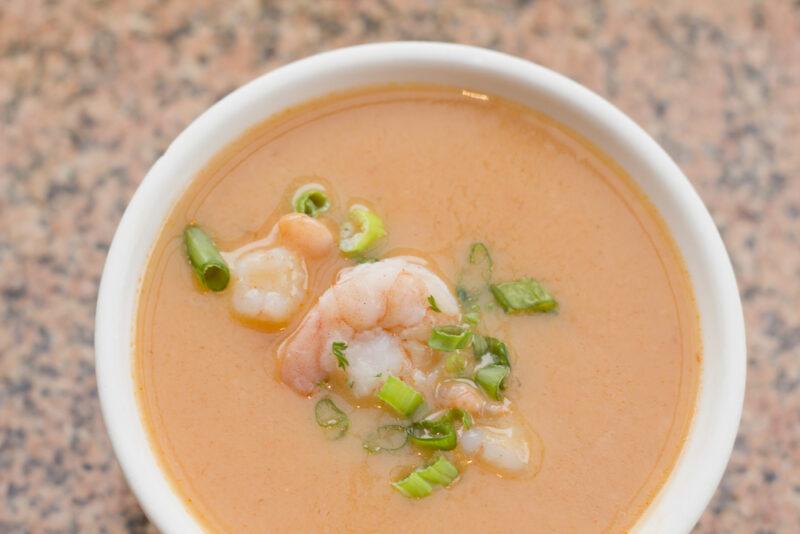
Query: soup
(410,308)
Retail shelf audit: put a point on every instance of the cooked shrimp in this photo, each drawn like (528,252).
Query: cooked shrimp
(269,284)
(506,449)
(269,275)
(309,236)
(458,393)
(381,311)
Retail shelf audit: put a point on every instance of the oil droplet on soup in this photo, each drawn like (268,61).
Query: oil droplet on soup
(409,306)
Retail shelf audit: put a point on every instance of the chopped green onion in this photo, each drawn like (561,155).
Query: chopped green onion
(473,281)
(400,396)
(458,414)
(489,345)
(499,350)
(479,257)
(413,486)
(338,348)
(421,481)
(470,309)
(434,434)
(434,306)
(479,345)
(361,232)
(331,418)
(205,259)
(525,295)
(492,379)
(449,338)
(441,472)
(311,200)
(386,438)
(455,363)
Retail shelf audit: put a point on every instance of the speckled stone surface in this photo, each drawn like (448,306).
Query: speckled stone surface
(92,92)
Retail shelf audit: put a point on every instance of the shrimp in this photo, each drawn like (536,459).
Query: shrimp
(507,449)
(381,311)
(307,235)
(458,393)
(269,275)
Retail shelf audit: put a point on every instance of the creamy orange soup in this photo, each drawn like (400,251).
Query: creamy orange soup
(603,385)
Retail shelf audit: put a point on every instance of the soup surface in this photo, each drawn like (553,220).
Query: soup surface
(604,385)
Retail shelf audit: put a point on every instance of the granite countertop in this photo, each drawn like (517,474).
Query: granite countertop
(91,93)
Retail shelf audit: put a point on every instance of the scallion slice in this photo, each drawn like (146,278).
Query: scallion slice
(490,345)
(460,415)
(361,231)
(400,396)
(413,486)
(479,257)
(207,262)
(331,418)
(311,200)
(421,481)
(492,379)
(470,309)
(479,345)
(499,350)
(434,434)
(525,295)
(473,282)
(433,305)
(440,472)
(449,338)
(386,438)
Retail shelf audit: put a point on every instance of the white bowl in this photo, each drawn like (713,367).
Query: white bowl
(701,463)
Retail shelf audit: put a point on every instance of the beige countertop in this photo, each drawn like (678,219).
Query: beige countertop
(92,92)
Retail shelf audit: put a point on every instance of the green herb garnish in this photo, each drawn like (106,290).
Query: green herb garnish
(440,472)
(482,345)
(433,435)
(492,379)
(480,258)
(449,338)
(386,438)
(434,306)
(413,486)
(459,416)
(207,262)
(400,396)
(338,348)
(421,481)
(525,295)
(311,200)
(331,418)
(361,231)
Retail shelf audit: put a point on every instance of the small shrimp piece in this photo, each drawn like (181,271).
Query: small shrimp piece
(309,236)
(269,275)
(505,449)
(371,307)
(269,284)
(457,393)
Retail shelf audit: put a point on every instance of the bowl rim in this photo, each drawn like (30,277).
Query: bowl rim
(709,443)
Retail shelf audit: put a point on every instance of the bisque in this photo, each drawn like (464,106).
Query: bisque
(607,384)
